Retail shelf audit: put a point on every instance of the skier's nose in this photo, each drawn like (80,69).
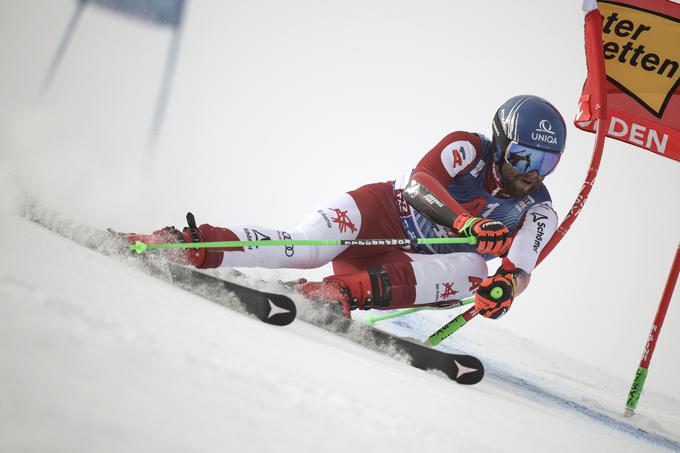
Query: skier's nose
(533,175)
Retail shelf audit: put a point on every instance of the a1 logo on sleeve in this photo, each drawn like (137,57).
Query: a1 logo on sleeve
(457,156)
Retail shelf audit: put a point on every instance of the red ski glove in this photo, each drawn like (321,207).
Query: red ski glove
(495,295)
(492,236)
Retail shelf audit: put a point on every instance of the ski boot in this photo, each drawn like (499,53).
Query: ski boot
(201,258)
(361,290)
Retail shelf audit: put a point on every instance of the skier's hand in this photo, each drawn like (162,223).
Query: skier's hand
(492,236)
(495,295)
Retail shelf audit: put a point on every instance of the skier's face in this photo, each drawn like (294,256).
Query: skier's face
(519,184)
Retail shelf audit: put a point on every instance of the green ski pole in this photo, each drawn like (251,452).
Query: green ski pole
(459,321)
(141,247)
(451,327)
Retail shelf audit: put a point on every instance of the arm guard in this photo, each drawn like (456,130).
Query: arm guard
(431,199)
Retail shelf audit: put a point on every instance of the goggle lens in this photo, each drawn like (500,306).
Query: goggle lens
(525,159)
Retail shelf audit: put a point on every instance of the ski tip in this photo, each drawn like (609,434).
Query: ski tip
(469,370)
(281,311)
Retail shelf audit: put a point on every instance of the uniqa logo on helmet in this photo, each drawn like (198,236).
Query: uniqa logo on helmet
(544,133)
(530,121)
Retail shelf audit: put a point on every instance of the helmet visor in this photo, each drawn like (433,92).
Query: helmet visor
(526,159)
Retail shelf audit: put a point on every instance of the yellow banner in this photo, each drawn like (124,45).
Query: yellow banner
(642,53)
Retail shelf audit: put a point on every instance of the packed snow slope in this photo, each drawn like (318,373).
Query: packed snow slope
(98,356)
(276,107)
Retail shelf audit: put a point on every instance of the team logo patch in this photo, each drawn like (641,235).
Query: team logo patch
(343,221)
(480,165)
(544,133)
(445,290)
(458,157)
(524,203)
(540,230)
(474,283)
(325,218)
(402,204)
(289,249)
(261,236)
(254,235)
(538,217)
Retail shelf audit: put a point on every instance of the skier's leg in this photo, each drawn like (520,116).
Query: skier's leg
(369,212)
(402,280)
(450,277)
(337,219)
(366,213)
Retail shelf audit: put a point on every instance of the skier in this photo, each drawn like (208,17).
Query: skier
(467,185)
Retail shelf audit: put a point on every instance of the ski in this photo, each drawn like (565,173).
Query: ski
(275,309)
(461,368)
(271,308)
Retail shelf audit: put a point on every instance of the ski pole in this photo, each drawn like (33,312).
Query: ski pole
(371,320)
(459,321)
(452,326)
(641,373)
(141,247)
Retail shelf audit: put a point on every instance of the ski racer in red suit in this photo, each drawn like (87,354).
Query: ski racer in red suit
(466,185)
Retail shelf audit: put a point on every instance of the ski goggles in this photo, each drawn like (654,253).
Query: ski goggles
(526,159)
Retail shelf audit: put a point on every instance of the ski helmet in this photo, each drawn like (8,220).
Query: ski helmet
(529,134)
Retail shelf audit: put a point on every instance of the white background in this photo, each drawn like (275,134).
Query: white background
(278,106)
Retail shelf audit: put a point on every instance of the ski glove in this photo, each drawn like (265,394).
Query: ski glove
(492,236)
(495,295)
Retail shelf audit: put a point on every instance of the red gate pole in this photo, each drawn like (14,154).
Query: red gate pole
(641,373)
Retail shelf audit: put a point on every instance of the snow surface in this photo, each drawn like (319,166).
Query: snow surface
(98,356)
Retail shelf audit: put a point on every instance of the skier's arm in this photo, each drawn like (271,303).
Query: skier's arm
(426,191)
(457,153)
(426,194)
(512,278)
(536,228)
